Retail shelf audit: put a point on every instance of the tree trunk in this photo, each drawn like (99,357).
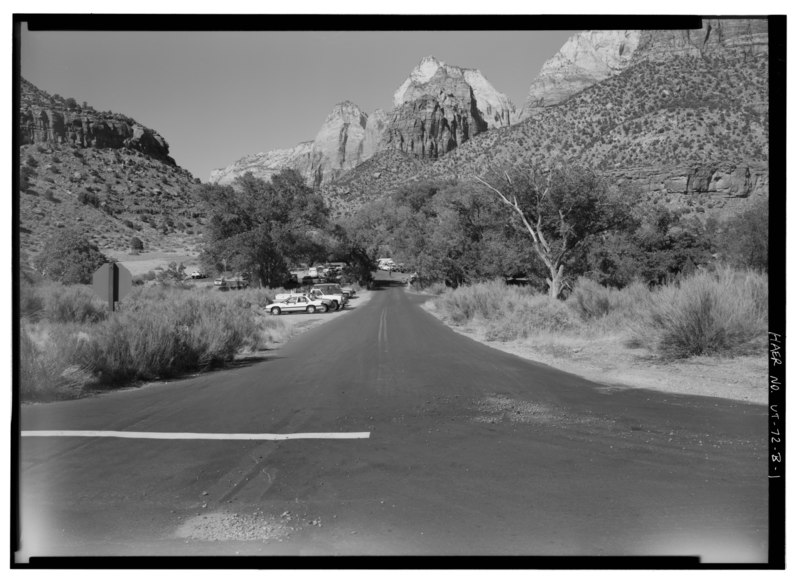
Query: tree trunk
(556,281)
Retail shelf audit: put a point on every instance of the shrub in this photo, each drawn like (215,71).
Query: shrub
(31,301)
(590,300)
(69,257)
(165,332)
(136,243)
(710,313)
(508,312)
(47,368)
(72,304)
(88,198)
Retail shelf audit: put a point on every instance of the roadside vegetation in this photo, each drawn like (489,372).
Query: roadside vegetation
(71,344)
(712,313)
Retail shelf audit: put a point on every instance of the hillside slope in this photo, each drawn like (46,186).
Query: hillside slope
(102,172)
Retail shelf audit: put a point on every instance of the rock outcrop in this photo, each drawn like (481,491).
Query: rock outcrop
(46,119)
(374,131)
(733,37)
(339,144)
(717,181)
(593,56)
(585,59)
(436,78)
(430,125)
(265,165)
(439,107)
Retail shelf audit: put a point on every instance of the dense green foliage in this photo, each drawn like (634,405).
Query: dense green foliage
(69,257)
(460,232)
(562,209)
(260,227)
(745,238)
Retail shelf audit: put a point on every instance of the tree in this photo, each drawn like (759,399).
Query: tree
(260,227)
(744,240)
(562,209)
(69,257)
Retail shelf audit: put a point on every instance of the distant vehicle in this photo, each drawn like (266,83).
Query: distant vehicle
(386,264)
(233,283)
(197,274)
(298,303)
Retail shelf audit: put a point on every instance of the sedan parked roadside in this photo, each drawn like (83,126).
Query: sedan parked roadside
(298,303)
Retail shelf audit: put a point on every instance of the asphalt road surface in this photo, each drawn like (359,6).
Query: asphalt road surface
(455,449)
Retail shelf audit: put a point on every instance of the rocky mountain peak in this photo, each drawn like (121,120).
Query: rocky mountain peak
(347,112)
(435,77)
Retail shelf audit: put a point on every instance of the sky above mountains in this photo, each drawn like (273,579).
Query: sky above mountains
(220,95)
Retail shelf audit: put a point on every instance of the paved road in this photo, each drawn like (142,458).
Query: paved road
(471,452)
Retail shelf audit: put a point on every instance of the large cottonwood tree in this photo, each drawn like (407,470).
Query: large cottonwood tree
(563,208)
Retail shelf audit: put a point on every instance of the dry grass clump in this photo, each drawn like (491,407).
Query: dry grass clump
(721,313)
(60,304)
(165,337)
(507,312)
(69,341)
(47,361)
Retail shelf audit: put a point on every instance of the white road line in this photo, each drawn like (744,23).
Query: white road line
(224,436)
(380,326)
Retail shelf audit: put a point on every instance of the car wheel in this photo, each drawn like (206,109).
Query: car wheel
(335,305)
(311,310)
(275,310)
(324,308)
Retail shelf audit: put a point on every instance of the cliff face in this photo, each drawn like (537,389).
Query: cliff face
(343,141)
(436,78)
(734,38)
(265,165)
(45,119)
(593,56)
(585,59)
(339,144)
(374,131)
(436,116)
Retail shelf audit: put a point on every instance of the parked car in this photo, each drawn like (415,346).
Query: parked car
(328,292)
(198,274)
(298,303)
(332,288)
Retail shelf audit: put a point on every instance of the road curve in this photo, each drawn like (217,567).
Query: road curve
(471,451)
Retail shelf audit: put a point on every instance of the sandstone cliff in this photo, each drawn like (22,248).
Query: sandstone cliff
(592,56)
(585,59)
(339,144)
(374,131)
(45,119)
(434,77)
(265,165)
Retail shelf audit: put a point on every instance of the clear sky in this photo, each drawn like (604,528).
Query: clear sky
(218,96)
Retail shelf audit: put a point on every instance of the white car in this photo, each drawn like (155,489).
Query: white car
(298,303)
